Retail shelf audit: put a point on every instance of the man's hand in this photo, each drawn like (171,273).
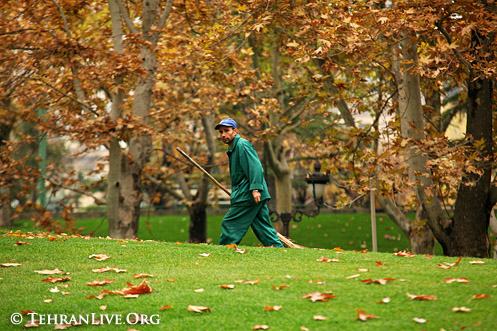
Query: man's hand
(257,196)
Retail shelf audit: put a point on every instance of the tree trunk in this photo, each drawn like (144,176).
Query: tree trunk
(5,192)
(469,235)
(197,232)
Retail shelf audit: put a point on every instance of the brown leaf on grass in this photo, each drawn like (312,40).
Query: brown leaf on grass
(32,324)
(325,259)
(27,311)
(227,286)
(198,309)
(62,326)
(205,254)
(20,243)
(52,279)
(166,307)
(379,263)
(231,246)
(384,300)
(117,270)
(453,264)
(481,296)
(422,297)
(251,282)
(443,266)
(461,309)
(48,300)
(100,282)
(136,276)
(404,254)
(199,290)
(353,276)
(99,257)
(50,272)
(316,281)
(338,249)
(319,318)
(382,281)
(240,251)
(128,292)
(260,327)
(363,251)
(272,308)
(419,320)
(7,265)
(361,315)
(476,262)
(318,296)
(283,286)
(457,280)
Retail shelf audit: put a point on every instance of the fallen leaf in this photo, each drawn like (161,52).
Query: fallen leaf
(117,270)
(361,315)
(384,300)
(132,291)
(457,280)
(54,290)
(272,308)
(353,276)
(363,270)
(166,307)
(379,263)
(62,326)
(19,243)
(319,318)
(7,265)
(419,320)
(443,266)
(48,300)
(65,293)
(404,254)
(461,309)
(205,254)
(198,309)
(280,287)
(260,327)
(476,262)
(325,259)
(102,307)
(130,296)
(52,279)
(422,297)
(199,290)
(32,324)
(382,281)
(100,282)
(481,296)
(338,249)
(454,263)
(136,276)
(49,272)
(318,296)
(240,251)
(362,252)
(317,281)
(99,257)
(170,279)
(27,311)
(303,328)
(227,286)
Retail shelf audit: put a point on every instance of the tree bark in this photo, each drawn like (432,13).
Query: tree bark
(197,231)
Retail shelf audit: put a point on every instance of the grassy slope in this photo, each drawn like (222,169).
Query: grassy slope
(348,231)
(242,308)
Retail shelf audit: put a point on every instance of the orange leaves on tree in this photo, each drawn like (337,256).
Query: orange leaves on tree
(362,316)
(422,297)
(198,309)
(404,254)
(325,259)
(456,280)
(52,279)
(318,296)
(100,282)
(481,296)
(382,281)
(99,257)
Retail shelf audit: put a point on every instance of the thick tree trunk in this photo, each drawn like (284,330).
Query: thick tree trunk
(469,235)
(197,232)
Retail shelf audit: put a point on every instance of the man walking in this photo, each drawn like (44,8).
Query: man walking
(249,193)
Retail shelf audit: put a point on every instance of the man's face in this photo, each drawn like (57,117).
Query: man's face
(227,133)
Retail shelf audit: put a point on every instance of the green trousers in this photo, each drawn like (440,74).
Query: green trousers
(239,218)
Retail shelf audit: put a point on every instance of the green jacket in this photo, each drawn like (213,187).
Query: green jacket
(246,172)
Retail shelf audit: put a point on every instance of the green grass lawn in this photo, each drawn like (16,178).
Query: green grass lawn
(348,231)
(179,269)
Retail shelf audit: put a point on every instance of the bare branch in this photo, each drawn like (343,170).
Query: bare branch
(125,16)
(164,16)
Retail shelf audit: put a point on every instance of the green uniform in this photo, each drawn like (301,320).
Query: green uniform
(247,175)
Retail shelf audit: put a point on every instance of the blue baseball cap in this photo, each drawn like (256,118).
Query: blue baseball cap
(226,122)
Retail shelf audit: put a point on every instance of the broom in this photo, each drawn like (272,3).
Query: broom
(284,240)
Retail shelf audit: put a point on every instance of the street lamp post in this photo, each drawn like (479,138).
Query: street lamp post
(316,182)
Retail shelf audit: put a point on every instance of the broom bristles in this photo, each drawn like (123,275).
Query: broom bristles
(287,242)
